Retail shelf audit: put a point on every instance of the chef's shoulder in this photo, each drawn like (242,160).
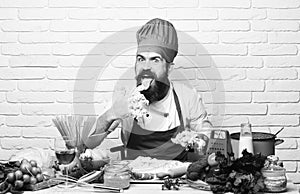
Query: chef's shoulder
(185,91)
(190,101)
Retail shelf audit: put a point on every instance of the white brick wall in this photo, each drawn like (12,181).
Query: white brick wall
(242,57)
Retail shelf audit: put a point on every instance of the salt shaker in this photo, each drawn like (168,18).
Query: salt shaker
(245,139)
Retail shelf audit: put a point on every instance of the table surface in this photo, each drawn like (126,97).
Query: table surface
(146,189)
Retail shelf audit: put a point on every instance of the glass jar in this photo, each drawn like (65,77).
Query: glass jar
(274,175)
(117,174)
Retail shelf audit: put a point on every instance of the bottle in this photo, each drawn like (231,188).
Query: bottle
(245,139)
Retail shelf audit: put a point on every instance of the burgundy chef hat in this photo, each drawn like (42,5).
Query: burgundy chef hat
(159,36)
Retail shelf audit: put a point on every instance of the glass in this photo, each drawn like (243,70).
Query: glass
(116,174)
(275,179)
(245,139)
(65,153)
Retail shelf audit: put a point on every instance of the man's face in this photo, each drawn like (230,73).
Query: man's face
(151,66)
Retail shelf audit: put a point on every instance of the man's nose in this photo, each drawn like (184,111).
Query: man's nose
(147,66)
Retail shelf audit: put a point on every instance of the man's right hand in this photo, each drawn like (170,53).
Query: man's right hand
(119,109)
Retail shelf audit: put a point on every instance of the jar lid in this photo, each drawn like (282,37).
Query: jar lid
(272,165)
(117,167)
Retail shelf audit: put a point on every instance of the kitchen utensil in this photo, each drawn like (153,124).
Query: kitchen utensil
(263,143)
(94,187)
(278,131)
(219,141)
(91,176)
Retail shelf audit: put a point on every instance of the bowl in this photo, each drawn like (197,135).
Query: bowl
(91,165)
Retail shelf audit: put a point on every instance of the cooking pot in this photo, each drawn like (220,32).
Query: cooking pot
(263,143)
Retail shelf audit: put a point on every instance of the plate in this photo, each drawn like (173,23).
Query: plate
(41,185)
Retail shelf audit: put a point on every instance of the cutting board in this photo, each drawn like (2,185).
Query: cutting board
(41,185)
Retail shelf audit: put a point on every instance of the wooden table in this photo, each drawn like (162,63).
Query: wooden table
(146,189)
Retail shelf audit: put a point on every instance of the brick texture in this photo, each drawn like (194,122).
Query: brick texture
(61,57)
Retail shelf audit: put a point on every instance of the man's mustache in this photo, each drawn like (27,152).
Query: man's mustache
(145,73)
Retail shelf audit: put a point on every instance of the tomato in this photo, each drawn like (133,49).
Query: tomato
(11,177)
(18,174)
(211,160)
(33,163)
(39,170)
(39,177)
(26,168)
(26,178)
(18,164)
(33,180)
(19,184)
(34,171)
(24,161)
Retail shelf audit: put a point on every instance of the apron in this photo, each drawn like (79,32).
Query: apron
(156,144)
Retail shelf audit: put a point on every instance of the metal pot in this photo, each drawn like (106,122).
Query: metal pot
(263,143)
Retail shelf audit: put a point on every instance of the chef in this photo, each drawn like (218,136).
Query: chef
(172,108)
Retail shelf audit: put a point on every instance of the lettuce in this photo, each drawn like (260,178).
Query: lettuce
(240,176)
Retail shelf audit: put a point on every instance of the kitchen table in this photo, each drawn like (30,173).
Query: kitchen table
(146,189)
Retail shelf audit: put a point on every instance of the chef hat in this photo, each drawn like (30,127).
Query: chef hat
(158,36)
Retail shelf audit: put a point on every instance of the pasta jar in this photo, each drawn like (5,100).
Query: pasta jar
(274,175)
(117,174)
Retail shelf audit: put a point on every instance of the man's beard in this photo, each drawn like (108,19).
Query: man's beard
(157,89)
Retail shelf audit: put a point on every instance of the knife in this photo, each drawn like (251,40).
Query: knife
(101,188)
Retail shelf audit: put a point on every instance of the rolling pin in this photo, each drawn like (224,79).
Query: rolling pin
(172,173)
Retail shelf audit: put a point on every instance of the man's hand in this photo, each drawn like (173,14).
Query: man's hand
(119,109)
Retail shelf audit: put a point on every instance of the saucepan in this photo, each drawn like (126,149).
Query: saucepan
(263,143)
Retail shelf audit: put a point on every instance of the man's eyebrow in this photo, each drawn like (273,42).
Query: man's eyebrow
(138,55)
(156,57)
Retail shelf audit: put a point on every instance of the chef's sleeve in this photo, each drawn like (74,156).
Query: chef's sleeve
(198,115)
